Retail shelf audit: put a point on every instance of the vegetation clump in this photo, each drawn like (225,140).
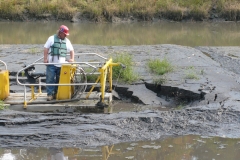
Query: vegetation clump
(191,73)
(159,67)
(90,74)
(105,10)
(2,105)
(127,73)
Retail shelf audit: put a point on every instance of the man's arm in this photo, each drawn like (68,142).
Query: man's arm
(45,58)
(71,56)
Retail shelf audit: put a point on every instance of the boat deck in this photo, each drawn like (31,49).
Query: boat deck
(15,101)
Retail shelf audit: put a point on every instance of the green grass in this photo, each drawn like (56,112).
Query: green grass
(180,106)
(2,105)
(91,77)
(191,73)
(160,80)
(104,10)
(126,75)
(159,67)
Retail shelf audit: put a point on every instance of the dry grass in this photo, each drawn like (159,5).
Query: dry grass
(101,10)
(231,10)
(10,9)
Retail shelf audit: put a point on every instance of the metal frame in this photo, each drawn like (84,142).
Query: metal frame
(4,64)
(105,70)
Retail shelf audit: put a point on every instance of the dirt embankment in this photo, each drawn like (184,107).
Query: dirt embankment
(207,104)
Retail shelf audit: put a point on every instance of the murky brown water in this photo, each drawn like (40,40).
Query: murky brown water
(182,148)
(189,34)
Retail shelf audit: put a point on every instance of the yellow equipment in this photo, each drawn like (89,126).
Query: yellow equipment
(66,76)
(72,82)
(4,85)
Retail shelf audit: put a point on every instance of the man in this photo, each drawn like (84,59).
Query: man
(55,50)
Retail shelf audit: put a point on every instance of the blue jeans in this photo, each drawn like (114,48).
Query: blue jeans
(52,77)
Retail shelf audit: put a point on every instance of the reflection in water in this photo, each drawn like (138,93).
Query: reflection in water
(183,147)
(184,33)
(107,151)
(7,155)
(56,154)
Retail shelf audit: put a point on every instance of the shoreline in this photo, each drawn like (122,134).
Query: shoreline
(115,19)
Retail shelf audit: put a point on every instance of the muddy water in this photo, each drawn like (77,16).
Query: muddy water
(189,34)
(182,147)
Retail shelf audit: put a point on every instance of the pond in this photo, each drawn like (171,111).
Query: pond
(141,33)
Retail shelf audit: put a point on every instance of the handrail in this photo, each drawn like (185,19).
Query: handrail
(103,69)
(4,64)
(72,84)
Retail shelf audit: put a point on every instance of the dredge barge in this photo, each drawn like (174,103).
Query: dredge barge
(74,90)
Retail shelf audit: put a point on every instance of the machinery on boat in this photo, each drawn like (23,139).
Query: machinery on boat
(72,84)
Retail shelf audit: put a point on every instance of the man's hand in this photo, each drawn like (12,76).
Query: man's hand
(45,61)
(71,56)
(70,60)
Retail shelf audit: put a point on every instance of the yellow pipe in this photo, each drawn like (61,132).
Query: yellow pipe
(103,75)
(107,64)
(32,93)
(115,64)
(25,104)
(110,77)
(92,88)
(102,84)
(35,97)
(39,90)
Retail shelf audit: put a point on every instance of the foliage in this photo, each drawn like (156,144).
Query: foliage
(90,73)
(160,80)
(159,67)
(126,75)
(60,9)
(191,73)
(2,106)
(106,9)
(11,9)
(180,106)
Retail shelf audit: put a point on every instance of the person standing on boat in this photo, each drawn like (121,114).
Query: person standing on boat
(55,51)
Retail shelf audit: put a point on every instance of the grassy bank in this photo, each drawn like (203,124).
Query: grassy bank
(105,10)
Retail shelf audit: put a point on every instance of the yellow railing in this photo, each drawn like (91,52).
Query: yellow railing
(105,71)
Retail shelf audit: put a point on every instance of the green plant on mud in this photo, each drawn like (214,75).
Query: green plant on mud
(2,105)
(90,74)
(180,106)
(202,72)
(159,80)
(191,73)
(159,67)
(126,75)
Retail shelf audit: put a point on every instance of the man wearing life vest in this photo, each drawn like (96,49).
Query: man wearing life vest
(55,51)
